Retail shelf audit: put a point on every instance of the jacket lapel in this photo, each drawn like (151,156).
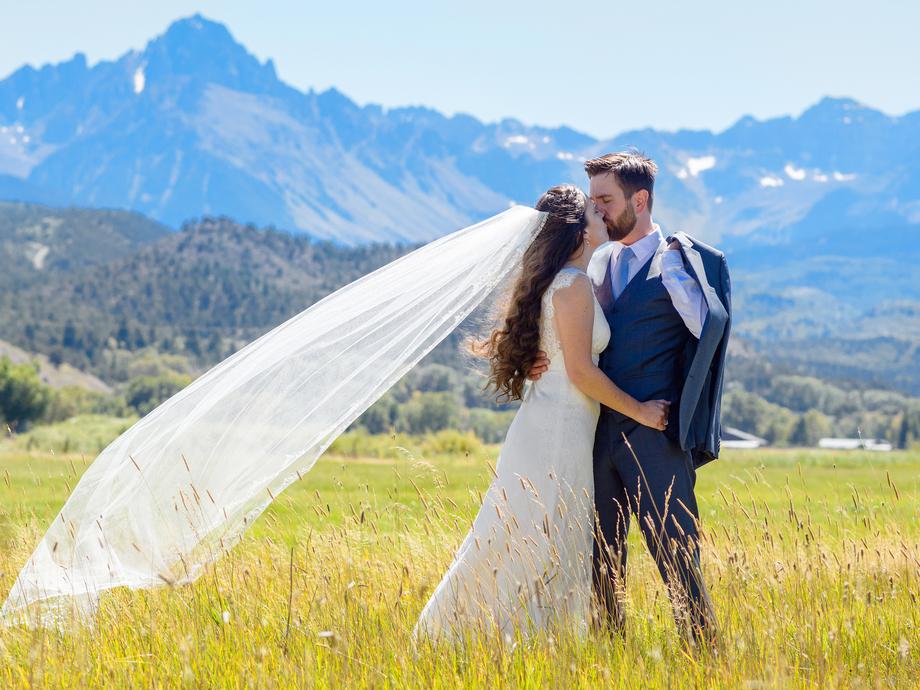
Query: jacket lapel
(654,269)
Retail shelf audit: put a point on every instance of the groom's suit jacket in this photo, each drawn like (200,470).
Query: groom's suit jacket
(703,360)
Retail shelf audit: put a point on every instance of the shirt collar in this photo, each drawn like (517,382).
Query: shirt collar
(642,249)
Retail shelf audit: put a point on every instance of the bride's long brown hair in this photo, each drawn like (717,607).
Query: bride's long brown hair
(512,349)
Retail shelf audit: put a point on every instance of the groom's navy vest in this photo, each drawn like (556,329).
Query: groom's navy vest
(648,340)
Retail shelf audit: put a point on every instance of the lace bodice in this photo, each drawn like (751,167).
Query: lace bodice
(549,338)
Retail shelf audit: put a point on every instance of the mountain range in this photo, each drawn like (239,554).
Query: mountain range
(818,213)
(194,124)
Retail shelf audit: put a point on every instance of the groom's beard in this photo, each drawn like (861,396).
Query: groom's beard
(622,225)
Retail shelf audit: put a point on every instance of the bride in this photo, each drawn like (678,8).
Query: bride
(180,487)
(526,563)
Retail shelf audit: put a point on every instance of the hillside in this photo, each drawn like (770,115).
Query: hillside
(39,241)
(203,291)
(147,316)
(55,376)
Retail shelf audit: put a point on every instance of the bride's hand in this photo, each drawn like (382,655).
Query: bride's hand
(654,413)
(540,365)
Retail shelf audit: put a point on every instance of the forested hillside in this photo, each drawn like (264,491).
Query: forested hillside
(146,310)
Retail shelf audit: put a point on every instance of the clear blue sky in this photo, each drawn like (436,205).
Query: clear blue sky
(601,67)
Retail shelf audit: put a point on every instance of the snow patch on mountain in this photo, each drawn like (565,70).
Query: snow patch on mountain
(38,252)
(139,80)
(519,140)
(697,165)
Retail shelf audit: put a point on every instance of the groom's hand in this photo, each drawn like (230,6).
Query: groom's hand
(540,365)
(674,244)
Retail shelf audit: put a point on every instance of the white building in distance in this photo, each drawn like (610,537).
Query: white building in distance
(735,438)
(855,444)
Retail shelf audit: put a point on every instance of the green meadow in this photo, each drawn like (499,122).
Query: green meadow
(812,559)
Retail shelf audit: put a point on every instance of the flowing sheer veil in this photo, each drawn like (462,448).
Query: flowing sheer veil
(184,482)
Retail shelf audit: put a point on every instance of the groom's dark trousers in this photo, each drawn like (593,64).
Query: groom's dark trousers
(645,473)
(652,478)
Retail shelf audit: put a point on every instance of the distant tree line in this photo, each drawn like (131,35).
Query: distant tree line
(435,397)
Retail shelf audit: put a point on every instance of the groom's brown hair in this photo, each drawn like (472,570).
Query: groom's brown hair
(633,171)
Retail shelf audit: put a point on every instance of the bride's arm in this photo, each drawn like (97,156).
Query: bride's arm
(574,321)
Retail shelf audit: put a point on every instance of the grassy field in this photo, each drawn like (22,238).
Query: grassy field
(812,559)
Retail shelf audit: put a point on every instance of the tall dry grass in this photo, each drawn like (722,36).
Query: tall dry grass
(812,560)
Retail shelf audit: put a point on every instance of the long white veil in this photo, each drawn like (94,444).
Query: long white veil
(184,482)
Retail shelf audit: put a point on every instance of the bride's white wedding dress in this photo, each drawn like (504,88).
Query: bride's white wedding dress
(252,425)
(526,563)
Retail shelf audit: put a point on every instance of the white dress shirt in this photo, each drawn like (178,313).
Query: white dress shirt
(685,292)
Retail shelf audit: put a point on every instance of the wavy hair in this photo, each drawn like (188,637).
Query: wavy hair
(512,348)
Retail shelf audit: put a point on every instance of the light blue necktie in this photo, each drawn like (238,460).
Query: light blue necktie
(621,272)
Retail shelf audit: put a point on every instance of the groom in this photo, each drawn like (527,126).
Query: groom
(668,306)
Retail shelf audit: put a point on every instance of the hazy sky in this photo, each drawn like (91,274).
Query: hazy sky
(599,67)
